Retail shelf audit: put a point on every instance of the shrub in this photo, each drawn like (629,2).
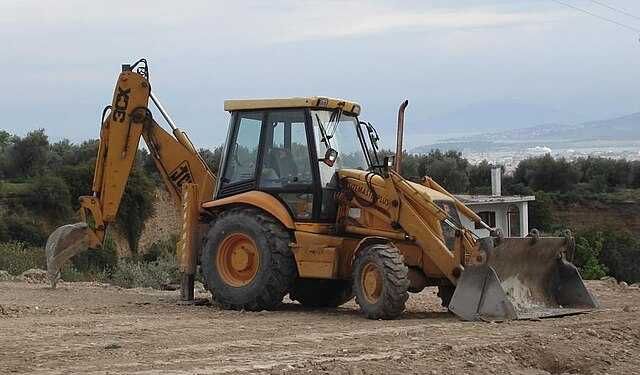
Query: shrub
(49,195)
(16,257)
(97,260)
(621,254)
(18,228)
(588,250)
(70,274)
(131,274)
(161,248)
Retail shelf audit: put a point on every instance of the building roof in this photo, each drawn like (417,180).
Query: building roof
(303,102)
(470,200)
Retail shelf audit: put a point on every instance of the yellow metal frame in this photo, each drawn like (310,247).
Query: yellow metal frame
(304,102)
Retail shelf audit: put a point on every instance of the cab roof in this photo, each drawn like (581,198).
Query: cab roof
(303,102)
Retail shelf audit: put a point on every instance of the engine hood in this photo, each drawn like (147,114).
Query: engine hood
(378,180)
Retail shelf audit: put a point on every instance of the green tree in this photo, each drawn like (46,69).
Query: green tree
(136,207)
(480,178)
(547,174)
(49,196)
(448,169)
(211,158)
(28,155)
(634,178)
(78,179)
(410,166)
(540,212)
(604,174)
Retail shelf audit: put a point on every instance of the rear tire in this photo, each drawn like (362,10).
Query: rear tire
(321,293)
(246,261)
(380,281)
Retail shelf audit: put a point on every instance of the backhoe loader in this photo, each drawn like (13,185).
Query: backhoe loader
(305,205)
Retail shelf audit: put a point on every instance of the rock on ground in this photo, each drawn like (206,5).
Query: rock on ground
(609,279)
(198,287)
(5,276)
(34,275)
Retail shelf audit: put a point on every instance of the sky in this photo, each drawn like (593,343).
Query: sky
(60,59)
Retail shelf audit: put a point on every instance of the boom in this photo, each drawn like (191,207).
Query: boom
(185,174)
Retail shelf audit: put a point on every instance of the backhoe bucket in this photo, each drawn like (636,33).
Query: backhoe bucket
(65,242)
(523,278)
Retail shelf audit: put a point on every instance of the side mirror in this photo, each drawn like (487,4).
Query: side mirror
(330,157)
(389,162)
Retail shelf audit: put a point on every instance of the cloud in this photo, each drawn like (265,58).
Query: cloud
(242,22)
(60,58)
(381,19)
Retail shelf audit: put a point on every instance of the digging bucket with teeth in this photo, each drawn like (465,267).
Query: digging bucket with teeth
(523,278)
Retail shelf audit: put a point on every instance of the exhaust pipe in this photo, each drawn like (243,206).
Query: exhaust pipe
(399,136)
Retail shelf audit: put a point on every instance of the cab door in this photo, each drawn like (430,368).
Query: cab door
(286,170)
(239,172)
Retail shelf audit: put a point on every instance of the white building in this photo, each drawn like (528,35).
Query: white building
(508,213)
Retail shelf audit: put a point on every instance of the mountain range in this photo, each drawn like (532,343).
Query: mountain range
(620,131)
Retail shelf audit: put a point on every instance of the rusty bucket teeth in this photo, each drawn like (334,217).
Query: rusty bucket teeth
(523,278)
(65,242)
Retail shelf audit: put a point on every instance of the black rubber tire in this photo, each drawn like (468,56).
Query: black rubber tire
(446,294)
(395,284)
(320,293)
(277,268)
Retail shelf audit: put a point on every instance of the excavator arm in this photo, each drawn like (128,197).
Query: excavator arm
(185,175)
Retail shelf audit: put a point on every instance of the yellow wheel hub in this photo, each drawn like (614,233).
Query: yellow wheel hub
(238,259)
(371,282)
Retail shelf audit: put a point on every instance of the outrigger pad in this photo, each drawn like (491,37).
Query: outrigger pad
(523,278)
(65,242)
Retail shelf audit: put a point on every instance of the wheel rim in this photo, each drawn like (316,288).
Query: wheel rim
(371,282)
(238,259)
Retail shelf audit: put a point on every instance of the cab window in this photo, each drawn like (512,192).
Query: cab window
(243,148)
(286,166)
(286,157)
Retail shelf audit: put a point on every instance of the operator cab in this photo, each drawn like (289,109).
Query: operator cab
(292,149)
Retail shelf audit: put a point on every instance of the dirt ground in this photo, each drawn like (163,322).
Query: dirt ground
(100,329)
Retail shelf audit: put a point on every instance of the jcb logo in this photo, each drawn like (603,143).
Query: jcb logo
(181,175)
(121,104)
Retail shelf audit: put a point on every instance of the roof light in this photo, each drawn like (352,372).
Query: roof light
(323,102)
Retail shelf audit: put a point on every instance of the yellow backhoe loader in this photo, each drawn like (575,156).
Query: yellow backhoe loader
(304,205)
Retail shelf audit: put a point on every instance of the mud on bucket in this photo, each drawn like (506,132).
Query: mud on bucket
(523,278)
(65,242)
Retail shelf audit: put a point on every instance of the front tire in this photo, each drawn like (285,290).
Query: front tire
(246,260)
(380,281)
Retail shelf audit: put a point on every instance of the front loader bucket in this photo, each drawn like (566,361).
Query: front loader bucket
(523,278)
(65,242)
